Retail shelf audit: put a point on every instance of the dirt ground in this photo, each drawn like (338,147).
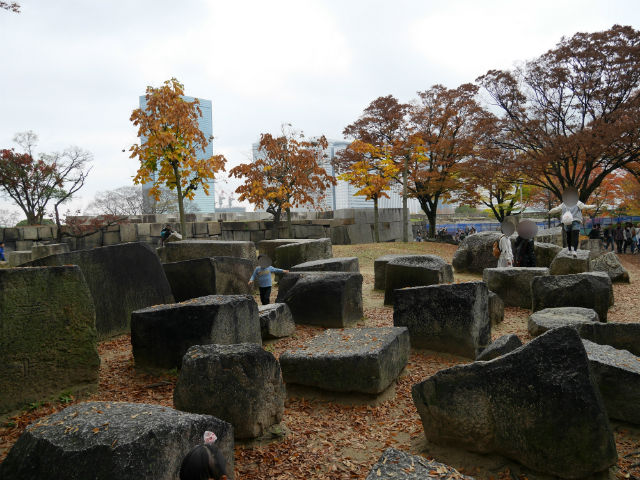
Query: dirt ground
(340,436)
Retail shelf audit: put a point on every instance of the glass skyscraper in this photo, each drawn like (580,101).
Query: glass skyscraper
(204,203)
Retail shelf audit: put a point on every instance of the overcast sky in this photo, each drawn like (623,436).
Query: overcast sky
(72,70)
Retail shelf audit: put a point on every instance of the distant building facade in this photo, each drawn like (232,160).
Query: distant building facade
(201,203)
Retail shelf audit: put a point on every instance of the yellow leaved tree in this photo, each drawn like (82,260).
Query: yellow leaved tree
(170,140)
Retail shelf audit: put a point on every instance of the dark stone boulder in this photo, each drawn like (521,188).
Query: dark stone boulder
(415,271)
(475,253)
(513,284)
(566,263)
(588,290)
(543,320)
(276,321)
(190,249)
(268,247)
(343,264)
(400,465)
(446,318)
(545,253)
(208,276)
(617,374)
(240,384)
(496,309)
(380,269)
(327,299)
(122,278)
(39,251)
(500,346)
(48,341)
(109,440)
(364,360)
(610,264)
(302,251)
(161,335)
(538,405)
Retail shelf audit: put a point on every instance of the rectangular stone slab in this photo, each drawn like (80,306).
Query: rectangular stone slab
(190,249)
(513,284)
(364,360)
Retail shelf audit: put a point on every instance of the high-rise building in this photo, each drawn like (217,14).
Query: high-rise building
(201,203)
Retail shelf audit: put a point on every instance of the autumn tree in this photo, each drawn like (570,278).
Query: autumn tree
(444,127)
(35,184)
(382,125)
(170,142)
(373,175)
(286,173)
(572,114)
(630,198)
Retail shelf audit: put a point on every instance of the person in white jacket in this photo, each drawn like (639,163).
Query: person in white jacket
(571,214)
(506,254)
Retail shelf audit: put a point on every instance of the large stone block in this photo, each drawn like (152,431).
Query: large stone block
(39,251)
(214,228)
(617,374)
(380,269)
(190,249)
(609,264)
(208,276)
(500,346)
(45,233)
(475,253)
(328,299)
(122,278)
(47,334)
(29,233)
(18,257)
(399,465)
(343,264)
(276,321)
(161,335)
(538,405)
(11,235)
(364,360)
(24,245)
(595,247)
(513,284)
(415,271)
(240,384)
(358,233)
(295,253)
(496,309)
(90,241)
(268,247)
(109,440)
(622,336)
(128,232)
(446,318)
(566,263)
(545,253)
(588,290)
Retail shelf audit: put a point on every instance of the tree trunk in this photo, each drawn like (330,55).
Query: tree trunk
(289,230)
(183,221)
(59,227)
(405,210)
(431,215)
(376,225)
(276,224)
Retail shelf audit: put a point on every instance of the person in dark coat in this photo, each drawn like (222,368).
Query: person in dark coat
(524,254)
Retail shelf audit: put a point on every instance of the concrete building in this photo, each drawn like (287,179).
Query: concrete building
(203,203)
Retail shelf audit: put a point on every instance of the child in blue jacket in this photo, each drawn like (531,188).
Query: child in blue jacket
(263,272)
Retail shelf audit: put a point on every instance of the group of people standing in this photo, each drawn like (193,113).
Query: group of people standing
(621,237)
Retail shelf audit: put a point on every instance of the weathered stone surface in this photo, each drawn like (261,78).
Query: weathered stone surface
(122,278)
(304,251)
(595,247)
(545,253)
(475,253)
(380,269)
(496,309)
(364,360)
(161,335)
(551,235)
(548,318)
(268,247)
(18,257)
(209,276)
(538,405)
(109,440)
(566,264)
(342,264)
(513,284)
(500,346)
(588,290)
(39,251)
(190,249)
(276,321)
(622,336)
(47,335)
(399,465)
(617,374)
(240,384)
(446,318)
(415,271)
(610,264)
(328,299)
